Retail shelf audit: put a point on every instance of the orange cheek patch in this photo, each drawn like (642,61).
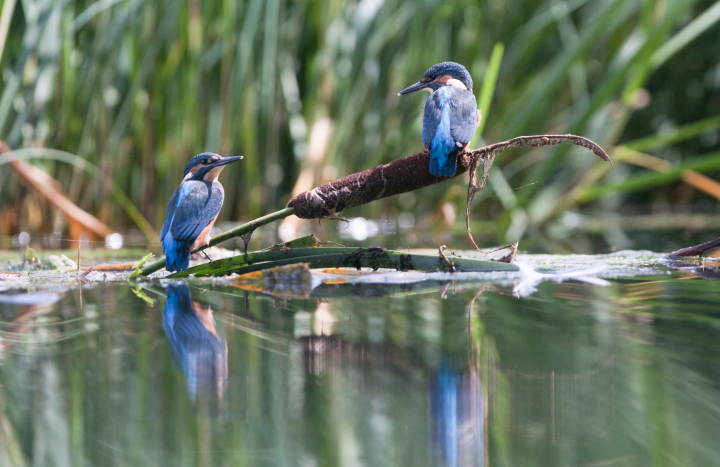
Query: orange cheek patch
(191,172)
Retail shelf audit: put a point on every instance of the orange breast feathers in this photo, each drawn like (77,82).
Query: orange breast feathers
(204,237)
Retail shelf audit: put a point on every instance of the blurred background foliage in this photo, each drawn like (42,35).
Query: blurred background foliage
(307,91)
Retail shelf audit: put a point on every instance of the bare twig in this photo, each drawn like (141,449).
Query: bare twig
(84,276)
(444,258)
(337,218)
(487,155)
(474,186)
(510,257)
(697,250)
(246,239)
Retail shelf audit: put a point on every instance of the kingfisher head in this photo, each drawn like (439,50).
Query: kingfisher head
(443,74)
(207,166)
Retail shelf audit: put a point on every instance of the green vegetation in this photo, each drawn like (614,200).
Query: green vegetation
(329,257)
(135,88)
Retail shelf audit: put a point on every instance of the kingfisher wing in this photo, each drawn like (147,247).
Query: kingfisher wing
(465,123)
(461,106)
(196,205)
(169,214)
(431,117)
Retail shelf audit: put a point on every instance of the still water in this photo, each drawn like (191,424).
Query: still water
(428,373)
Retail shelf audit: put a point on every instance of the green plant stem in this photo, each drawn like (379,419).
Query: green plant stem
(488,86)
(332,257)
(236,232)
(220,266)
(7,12)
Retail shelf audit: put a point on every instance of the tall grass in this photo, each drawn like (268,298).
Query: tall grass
(137,87)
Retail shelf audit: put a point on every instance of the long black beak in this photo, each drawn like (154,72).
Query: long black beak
(419,86)
(224,161)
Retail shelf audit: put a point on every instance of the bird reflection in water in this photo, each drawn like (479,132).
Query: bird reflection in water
(457,416)
(195,345)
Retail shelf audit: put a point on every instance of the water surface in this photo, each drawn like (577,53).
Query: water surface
(435,372)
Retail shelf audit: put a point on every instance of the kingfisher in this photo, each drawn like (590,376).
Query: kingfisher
(450,117)
(193,209)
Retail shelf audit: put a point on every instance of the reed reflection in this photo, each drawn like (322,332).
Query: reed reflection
(454,426)
(195,345)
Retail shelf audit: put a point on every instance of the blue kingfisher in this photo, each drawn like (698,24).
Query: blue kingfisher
(193,209)
(451,116)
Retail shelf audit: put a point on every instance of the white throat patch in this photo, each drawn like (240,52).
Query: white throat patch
(456,83)
(213,174)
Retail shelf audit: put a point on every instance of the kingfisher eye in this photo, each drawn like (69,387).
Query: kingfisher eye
(205,161)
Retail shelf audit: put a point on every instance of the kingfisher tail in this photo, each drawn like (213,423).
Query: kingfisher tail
(443,164)
(177,254)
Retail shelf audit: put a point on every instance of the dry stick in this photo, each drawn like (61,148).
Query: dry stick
(399,176)
(697,250)
(411,173)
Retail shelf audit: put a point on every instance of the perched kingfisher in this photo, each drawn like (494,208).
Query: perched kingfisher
(451,115)
(193,209)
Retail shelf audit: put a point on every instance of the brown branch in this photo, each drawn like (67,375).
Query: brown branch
(697,250)
(399,176)
(411,173)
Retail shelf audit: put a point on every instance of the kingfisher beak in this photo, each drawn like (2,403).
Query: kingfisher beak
(213,170)
(224,161)
(419,86)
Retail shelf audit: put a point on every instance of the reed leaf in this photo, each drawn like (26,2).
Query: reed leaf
(337,257)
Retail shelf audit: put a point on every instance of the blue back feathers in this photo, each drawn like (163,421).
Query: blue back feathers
(443,151)
(449,123)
